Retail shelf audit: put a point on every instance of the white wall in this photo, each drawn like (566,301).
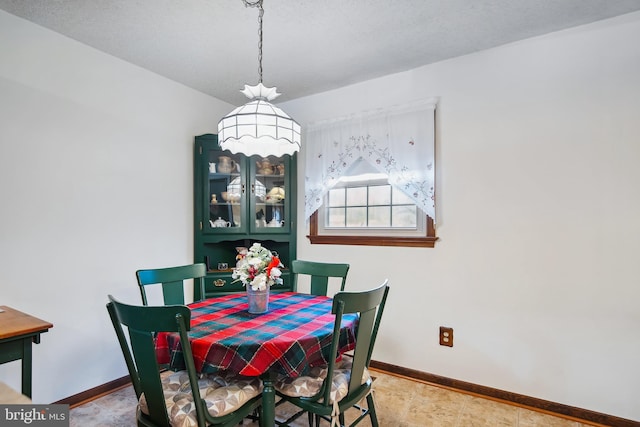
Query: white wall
(95,182)
(538,205)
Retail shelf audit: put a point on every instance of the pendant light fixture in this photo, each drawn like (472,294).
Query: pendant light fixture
(259,127)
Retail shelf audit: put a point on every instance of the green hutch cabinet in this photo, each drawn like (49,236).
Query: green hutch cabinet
(240,200)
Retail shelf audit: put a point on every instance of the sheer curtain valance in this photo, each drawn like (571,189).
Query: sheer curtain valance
(398,141)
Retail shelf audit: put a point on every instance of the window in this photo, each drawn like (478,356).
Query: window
(370,206)
(366,207)
(369,178)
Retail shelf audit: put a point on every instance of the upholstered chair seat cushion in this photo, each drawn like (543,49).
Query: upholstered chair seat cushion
(223,393)
(309,385)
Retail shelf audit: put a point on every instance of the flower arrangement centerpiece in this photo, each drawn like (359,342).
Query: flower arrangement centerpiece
(257,268)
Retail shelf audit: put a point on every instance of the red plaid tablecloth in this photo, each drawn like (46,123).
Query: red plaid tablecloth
(292,337)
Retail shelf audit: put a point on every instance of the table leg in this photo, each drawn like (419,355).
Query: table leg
(268,402)
(26,366)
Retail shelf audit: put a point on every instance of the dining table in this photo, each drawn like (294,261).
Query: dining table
(18,331)
(294,335)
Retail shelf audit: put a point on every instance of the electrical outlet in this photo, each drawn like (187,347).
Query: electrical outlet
(446,336)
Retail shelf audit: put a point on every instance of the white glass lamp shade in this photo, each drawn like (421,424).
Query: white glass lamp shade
(259,127)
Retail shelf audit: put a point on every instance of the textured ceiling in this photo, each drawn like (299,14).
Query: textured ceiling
(310,46)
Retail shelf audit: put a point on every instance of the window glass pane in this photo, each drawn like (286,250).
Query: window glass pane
(369,202)
(399,198)
(405,216)
(356,217)
(380,216)
(336,197)
(356,196)
(380,195)
(335,217)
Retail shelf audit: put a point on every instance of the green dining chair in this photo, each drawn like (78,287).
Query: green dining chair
(184,398)
(172,281)
(319,273)
(327,392)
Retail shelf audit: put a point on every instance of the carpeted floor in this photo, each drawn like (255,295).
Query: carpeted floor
(400,402)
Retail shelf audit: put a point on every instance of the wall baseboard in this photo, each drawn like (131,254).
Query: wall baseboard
(577,414)
(94,393)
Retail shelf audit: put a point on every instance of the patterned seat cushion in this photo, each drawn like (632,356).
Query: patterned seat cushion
(307,386)
(222,392)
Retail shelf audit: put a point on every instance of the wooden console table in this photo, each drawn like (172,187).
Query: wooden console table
(17,331)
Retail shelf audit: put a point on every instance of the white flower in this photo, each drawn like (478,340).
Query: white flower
(255,262)
(276,273)
(259,283)
(253,265)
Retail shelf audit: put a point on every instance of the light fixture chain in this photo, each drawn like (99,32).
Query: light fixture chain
(260,14)
(258,4)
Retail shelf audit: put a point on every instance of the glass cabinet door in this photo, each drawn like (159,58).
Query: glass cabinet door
(269,188)
(224,192)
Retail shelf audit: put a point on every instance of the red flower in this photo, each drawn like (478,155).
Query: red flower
(275,262)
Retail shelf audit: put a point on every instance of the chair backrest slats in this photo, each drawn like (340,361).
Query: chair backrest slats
(370,306)
(129,360)
(148,369)
(320,272)
(172,281)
